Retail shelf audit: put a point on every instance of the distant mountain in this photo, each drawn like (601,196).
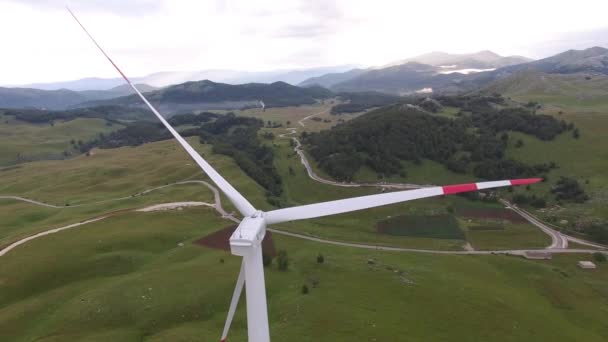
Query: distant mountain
(59,99)
(568,87)
(167,78)
(593,60)
(329,80)
(414,77)
(118,91)
(36,98)
(479,60)
(435,71)
(211,95)
(399,79)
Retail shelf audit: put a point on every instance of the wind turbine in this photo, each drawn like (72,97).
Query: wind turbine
(246,241)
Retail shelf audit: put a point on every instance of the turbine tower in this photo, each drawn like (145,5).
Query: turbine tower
(246,241)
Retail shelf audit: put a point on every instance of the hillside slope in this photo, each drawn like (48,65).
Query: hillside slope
(210,95)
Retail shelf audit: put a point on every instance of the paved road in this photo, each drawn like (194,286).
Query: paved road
(558,240)
(400,249)
(314,176)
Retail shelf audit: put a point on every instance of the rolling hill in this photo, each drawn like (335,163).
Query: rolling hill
(59,99)
(447,73)
(591,60)
(329,80)
(167,78)
(210,95)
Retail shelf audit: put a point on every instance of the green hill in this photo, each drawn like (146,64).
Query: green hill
(201,93)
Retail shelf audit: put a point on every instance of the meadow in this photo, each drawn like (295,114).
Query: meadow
(22,141)
(139,277)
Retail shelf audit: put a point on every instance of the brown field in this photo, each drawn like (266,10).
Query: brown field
(220,240)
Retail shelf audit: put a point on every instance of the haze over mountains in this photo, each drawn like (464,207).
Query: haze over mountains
(211,95)
(437,72)
(61,98)
(445,73)
(167,78)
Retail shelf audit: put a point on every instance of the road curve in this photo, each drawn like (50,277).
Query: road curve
(314,176)
(520,252)
(47,232)
(558,240)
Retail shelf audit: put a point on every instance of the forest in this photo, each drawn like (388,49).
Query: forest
(108,113)
(383,138)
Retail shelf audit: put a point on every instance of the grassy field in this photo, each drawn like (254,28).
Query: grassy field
(437,226)
(585,159)
(43,141)
(127,278)
(109,174)
(138,276)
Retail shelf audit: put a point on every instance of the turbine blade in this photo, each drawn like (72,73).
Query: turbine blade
(240,282)
(243,206)
(371,201)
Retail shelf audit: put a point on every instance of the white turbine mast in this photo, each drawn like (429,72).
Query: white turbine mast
(246,241)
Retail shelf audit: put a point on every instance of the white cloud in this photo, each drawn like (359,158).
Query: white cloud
(42,43)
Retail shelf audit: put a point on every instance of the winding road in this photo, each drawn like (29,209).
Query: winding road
(559,241)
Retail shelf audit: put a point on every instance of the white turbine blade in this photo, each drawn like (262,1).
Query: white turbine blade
(243,206)
(240,282)
(371,201)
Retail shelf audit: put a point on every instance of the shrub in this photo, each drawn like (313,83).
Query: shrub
(266,259)
(320,258)
(599,257)
(283,260)
(304,289)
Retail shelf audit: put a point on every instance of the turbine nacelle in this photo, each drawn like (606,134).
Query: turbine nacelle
(248,234)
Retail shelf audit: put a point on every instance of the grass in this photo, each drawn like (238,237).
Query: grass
(127,278)
(438,226)
(584,159)
(43,141)
(109,174)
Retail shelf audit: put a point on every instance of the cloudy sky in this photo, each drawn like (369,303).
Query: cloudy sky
(42,43)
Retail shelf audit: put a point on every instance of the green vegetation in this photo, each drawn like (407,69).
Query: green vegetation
(112,114)
(359,102)
(278,94)
(23,142)
(237,137)
(437,226)
(129,279)
(384,138)
(568,189)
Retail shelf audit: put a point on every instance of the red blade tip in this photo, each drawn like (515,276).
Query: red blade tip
(525,181)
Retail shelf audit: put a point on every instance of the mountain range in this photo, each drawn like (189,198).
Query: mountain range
(434,72)
(61,98)
(167,78)
(445,73)
(205,95)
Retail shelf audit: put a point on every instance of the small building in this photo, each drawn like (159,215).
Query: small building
(587,265)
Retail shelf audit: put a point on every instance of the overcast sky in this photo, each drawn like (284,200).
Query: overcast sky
(42,43)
